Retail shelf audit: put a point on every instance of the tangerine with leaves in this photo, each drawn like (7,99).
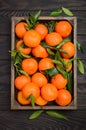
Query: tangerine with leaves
(64,97)
(39,51)
(59,81)
(53,39)
(42,30)
(31,89)
(40,101)
(32,38)
(70,50)
(29,65)
(64,28)
(20,29)
(39,78)
(49,92)
(24,50)
(20,81)
(21,99)
(45,63)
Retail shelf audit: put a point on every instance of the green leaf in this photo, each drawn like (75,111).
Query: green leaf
(37,15)
(56,12)
(35,114)
(31,97)
(24,73)
(56,115)
(51,72)
(58,62)
(67,11)
(25,56)
(80,66)
(79,47)
(63,72)
(51,25)
(70,82)
(50,51)
(63,42)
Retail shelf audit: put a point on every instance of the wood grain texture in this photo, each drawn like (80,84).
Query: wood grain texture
(18,120)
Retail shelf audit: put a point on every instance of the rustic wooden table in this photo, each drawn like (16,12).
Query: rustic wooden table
(18,120)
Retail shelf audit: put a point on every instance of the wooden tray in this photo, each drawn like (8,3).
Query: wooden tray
(14,103)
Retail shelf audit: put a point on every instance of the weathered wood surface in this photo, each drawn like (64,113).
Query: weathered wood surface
(18,120)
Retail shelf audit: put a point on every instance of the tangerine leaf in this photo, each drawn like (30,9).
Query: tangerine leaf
(37,15)
(63,72)
(56,13)
(56,114)
(70,81)
(79,47)
(63,42)
(32,98)
(35,114)
(50,51)
(67,11)
(51,72)
(80,66)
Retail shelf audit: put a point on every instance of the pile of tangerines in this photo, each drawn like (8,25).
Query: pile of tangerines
(44,89)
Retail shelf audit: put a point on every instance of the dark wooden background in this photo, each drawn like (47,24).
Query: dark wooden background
(18,120)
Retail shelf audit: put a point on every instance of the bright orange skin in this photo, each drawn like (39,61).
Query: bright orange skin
(31,88)
(20,81)
(20,29)
(39,79)
(32,38)
(40,101)
(21,99)
(29,65)
(45,63)
(49,92)
(53,39)
(42,30)
(21,49)
(59,81)
(39,52)
(64,28)
(64,97)
(69,47)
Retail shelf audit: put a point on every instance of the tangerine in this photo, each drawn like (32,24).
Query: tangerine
(21,99)
(39,79)
(42,30)
(59,81)
(39,52)
(32,38)
(45,63)
(69,48)
(40,101)
(64,28)
(20,81)
(20,29)
(49,92)
(24,50)
(64,97)
(29,65)
(31,88)
(53,38)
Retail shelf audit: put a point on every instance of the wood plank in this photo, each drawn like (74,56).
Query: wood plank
(24,5)
(18,120)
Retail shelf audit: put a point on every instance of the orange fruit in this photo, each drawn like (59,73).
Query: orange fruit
(45,63)
(52,39)
(20,81)
(31,88)
(39,52)
(49,92)
(21,99)
(29,65)
(24,50)
(32,38)
(42,30)
(40,101)
(64,28)
(59,81)
(20,29)
(64,97)
(39,79)
(69,48)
